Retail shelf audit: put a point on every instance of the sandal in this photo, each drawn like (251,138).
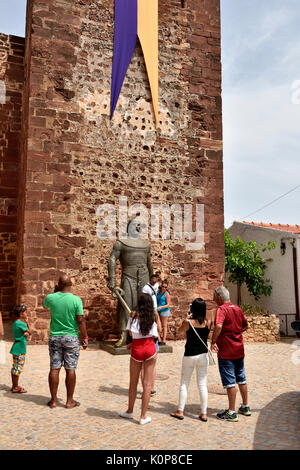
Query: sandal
(174,415)
(19,390)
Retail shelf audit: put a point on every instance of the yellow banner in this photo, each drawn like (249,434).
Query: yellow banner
(148,36)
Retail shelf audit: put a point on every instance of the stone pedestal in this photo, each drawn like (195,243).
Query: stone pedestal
(109,346)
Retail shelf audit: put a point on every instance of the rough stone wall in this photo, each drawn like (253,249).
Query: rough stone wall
(11,90)
(75,158)
(263,329)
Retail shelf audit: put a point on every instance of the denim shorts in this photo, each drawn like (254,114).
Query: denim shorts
(165,314)
(64,351)
(232,372)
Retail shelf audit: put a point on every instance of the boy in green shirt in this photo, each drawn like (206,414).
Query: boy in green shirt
(20,331)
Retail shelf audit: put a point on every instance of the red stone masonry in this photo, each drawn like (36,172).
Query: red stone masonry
(11,91)
(74,158)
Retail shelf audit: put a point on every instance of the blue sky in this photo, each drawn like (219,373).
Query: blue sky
(12,17)
(261,109)
(261,63)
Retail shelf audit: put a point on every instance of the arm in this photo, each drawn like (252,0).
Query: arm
(245,324)
(112,262)
(80,318)
(45,303)
(149,263)
(28,331)
(82,328)
(184,326)
(220,317)
(216,334)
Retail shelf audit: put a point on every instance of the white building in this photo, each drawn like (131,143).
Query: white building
(283,269)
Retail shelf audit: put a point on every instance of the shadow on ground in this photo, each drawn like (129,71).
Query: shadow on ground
(278,424)
(155,405)
(114,389)
(40,400)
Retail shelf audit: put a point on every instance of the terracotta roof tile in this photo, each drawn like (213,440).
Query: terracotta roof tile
(283,227)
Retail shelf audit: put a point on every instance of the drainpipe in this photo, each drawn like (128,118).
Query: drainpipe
(296,280)
(296,283)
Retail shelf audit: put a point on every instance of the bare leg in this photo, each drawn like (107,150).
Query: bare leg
(135,370)
(142,374)
(53,385)
(15,381)
(70,385)
(148,381)
(231,392)
(153,378)
(164,324)
(244,392)
(15,378)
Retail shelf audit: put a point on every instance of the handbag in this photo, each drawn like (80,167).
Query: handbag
(211,360)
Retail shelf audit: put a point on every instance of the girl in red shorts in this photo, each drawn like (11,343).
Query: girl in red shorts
(143,329)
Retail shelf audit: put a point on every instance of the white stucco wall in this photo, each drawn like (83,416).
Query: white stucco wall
(298,263)
(279,270)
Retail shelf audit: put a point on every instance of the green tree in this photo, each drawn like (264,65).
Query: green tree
(244,263)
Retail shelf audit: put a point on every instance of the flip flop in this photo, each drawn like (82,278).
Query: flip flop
(203,419)
(19,390)
(76,403)
(174,415)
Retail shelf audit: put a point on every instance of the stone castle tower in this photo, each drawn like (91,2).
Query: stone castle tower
(61,156)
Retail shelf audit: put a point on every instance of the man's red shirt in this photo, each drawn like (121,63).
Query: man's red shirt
(230,341)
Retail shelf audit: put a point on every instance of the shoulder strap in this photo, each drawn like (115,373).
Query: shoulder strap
(198,335)
(151,288)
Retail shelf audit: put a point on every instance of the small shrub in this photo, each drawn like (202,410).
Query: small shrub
(255,310)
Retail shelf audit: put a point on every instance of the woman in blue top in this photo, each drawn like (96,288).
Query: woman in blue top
(163,309)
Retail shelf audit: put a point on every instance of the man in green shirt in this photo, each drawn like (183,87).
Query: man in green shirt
(64,346)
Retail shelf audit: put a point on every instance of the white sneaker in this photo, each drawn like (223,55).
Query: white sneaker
(123,414)
(146,420)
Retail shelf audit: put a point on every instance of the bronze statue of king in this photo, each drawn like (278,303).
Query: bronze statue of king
(134,254)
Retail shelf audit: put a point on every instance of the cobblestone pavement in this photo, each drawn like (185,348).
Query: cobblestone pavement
(102,381)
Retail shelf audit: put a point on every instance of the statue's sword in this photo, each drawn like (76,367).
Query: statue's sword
(118,294)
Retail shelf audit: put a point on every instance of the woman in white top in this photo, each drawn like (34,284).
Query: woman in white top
(143,329)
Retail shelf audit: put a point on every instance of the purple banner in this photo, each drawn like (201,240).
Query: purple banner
(124,44)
